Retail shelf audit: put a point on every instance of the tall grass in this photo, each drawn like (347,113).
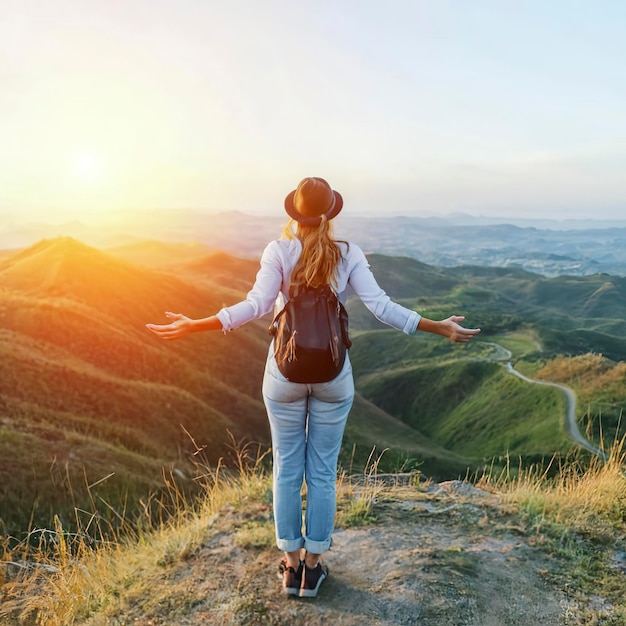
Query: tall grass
(577,513)
(62,577)
(358,492)
(581,495)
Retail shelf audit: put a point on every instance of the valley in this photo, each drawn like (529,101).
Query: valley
(95,413)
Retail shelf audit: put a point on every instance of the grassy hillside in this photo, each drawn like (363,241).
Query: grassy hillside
(92,404)
(471,407)
(372,433)
(572,314)
(600,385)
(474,408)
(160,254)
(87,391)
(556,541)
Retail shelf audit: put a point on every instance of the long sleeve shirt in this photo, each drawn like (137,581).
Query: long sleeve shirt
(353,275)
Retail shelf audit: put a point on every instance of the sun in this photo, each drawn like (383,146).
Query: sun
(86,166)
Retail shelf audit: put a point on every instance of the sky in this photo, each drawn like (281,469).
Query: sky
(428,107)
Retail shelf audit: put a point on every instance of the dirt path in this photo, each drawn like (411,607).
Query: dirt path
(444,555)
(502,355)
(571,423)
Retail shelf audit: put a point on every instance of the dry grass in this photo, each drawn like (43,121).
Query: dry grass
(582,498)
(70,577)
(359,491)
(579,514)
(67,577)
(592,375)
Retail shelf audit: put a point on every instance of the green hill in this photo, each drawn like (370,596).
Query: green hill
(92,403)
(86,388)
(472,408)
(372,433)
(404,277)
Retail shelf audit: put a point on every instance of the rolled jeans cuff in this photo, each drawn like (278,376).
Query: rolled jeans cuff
(316,547)
(291,545)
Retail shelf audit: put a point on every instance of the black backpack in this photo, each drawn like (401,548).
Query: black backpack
(311,336)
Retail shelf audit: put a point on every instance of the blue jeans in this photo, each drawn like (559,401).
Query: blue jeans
(306,424)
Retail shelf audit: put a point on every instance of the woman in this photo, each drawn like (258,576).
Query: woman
(307,420)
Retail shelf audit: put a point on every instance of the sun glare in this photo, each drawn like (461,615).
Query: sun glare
(86,166)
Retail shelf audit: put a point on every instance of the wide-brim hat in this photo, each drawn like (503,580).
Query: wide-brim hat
(312,199)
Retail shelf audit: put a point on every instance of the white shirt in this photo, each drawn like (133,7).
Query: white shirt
(353,274)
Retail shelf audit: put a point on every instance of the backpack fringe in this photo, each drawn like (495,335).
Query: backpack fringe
(334,349)
(290,348)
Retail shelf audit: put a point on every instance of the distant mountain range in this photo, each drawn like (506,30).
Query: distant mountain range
(548,247)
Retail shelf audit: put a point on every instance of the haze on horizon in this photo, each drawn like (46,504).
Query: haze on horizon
(427,107)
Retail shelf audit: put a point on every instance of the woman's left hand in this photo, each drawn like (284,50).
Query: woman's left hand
(451,329)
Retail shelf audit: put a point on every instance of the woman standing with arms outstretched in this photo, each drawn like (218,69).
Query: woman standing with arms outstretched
(307,420)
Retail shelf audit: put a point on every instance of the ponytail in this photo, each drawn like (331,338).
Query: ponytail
(320,255)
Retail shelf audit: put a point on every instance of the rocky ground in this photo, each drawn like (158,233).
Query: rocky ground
(444,554)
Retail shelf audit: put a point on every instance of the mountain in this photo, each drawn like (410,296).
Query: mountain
(222,268)
(548,247)
(89,397)
(160,254)
(84,383)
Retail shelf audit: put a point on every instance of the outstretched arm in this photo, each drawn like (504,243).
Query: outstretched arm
(258,302)
(386,310)
(449,328)
(182,325)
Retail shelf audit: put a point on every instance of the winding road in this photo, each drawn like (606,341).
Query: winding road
(501,354)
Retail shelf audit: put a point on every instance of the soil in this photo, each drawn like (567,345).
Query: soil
(447,554)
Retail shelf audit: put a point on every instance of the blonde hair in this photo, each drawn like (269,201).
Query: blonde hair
(320,254)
